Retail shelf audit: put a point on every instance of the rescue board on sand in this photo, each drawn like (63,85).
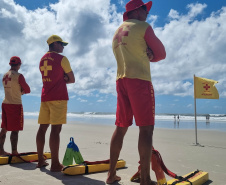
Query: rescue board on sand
(198,178)
(90,167)
(23,157)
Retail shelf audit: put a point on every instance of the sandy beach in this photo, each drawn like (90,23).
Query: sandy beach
(176,147)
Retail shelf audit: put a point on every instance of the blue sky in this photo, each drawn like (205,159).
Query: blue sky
(193,33)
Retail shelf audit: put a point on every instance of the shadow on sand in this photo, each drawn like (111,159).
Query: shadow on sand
(65,179)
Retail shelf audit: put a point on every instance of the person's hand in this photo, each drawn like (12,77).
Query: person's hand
(149,53)
(66,78)
(22,92)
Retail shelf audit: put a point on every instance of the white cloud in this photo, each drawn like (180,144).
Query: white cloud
(217,107)
(174,14)
(195,9)
(100,101)
(192,46)
(122,3)
(189,106)
(71,97)
(88,26)
(158,105)
(82,100)
(152,19)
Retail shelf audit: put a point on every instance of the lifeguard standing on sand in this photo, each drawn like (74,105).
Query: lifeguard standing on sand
(56,73)
(12,110)
(134,46)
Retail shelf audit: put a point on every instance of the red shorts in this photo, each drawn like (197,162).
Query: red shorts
(135,98)
(12,117)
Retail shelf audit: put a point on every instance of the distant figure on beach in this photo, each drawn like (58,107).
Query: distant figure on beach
(207,118)
(175,121)
(12,110)
(178,121)
(56,73)
(135,45)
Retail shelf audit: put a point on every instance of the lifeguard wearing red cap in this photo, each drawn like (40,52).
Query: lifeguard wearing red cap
(14,60)
(135,4)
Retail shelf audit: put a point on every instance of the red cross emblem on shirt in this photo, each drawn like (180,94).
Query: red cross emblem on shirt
(206,87)
(6,79)
(121,33)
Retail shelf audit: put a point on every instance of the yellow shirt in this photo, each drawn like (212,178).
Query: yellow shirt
(12,88)
(129,47)
(66,65)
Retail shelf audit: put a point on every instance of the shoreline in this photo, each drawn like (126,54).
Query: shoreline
(159,123)
(175,146)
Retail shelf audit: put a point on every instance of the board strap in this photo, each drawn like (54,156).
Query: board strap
(20,155)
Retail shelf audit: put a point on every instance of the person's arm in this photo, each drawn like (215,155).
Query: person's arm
(25,87)
(69,75)
(155,45)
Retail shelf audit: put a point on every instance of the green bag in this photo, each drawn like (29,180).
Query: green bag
(72,152)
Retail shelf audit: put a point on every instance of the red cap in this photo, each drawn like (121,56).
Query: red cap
(134,4)
(14,60)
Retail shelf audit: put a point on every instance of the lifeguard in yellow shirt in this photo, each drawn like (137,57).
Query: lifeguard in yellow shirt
(135,45)
(12,110)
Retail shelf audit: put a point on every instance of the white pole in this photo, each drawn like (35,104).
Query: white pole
(196,138)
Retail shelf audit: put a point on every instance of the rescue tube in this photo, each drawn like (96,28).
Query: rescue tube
(91,167)
(197,177)
(194,178)
(22,157)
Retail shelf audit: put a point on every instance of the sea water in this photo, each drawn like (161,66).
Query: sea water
(169,121)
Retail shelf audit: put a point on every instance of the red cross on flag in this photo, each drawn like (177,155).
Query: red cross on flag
(205,88)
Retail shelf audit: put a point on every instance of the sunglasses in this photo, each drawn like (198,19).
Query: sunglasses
(144,8)
(61,43)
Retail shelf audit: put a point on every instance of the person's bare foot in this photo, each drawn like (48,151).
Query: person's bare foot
(111,180)
(56,168)
(4,153)
(42,164)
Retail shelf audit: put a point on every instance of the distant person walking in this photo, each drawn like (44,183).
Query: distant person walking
(134,46)
(12,110)
(56,73)
(207,118)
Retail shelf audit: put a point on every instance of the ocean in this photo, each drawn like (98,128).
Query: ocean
(185,121)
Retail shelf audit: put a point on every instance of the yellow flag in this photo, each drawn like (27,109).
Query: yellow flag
(205,88)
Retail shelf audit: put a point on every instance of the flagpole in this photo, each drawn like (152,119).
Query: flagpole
(196,138)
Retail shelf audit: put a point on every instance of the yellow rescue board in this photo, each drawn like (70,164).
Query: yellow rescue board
(27,157)
(85,169)
(198,179)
